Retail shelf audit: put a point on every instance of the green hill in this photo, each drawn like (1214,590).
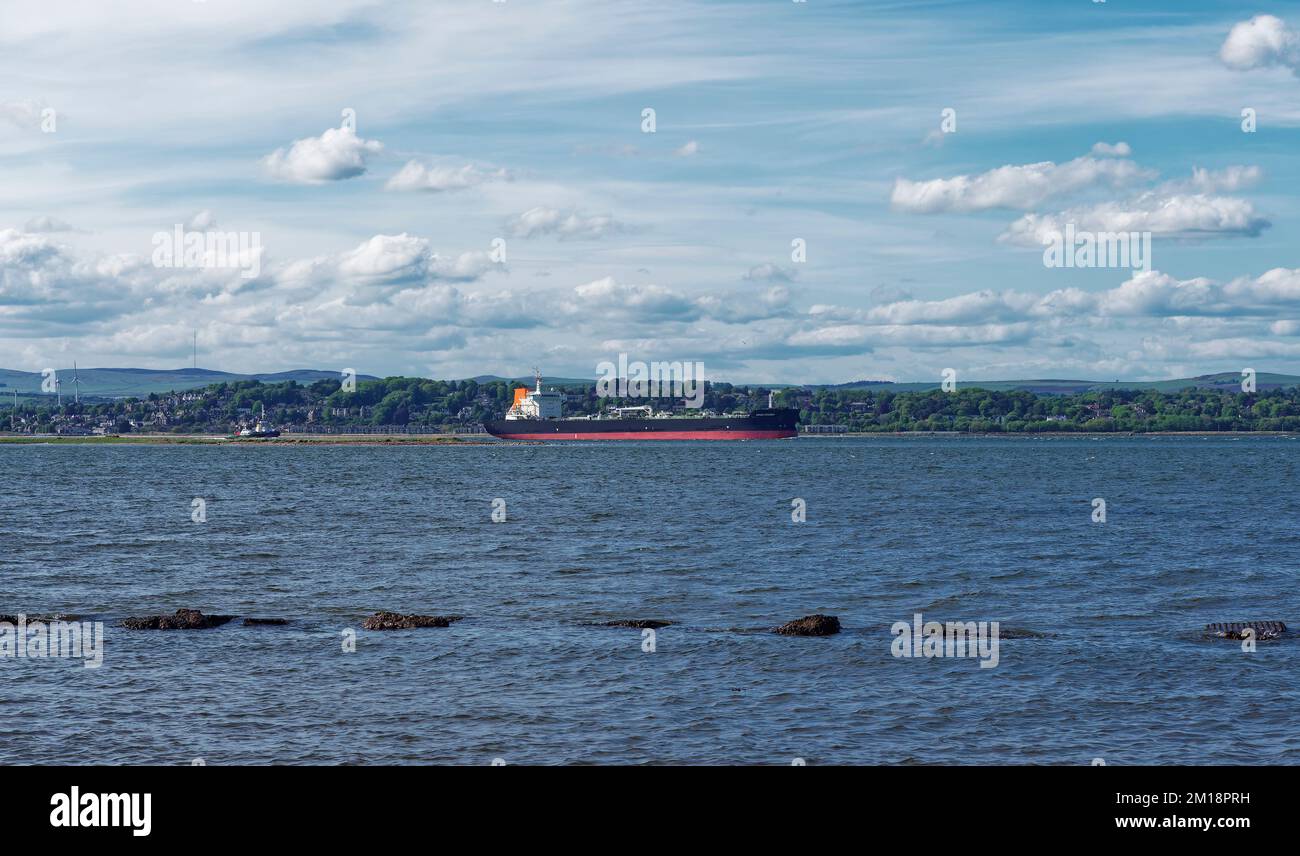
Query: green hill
(127,383)
(1225,381)
(108,383)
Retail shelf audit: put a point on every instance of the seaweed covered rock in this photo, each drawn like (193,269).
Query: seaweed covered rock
(184,619)
(397,621)
(58,616)
(810,625)
(637,623)
(1237,629)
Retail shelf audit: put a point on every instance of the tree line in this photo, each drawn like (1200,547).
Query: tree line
(454,404)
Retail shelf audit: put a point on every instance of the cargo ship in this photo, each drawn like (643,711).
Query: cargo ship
(537,415)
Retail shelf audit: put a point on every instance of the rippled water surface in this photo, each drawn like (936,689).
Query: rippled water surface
(1197,530)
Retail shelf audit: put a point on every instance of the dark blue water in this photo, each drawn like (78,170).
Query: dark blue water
(1197,530)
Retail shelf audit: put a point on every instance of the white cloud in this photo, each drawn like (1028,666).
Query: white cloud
(405,259)
(1172,216)
(1014,187)
(1230,179)
(439,179)
(768,272)
(393,291)
(608,295)
(391,258)
(1106,150)
(1262,41)
(688,150)
(536,222)
(336,154)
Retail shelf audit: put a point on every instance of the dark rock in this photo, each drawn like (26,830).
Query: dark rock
(397,621)
(636,623)
(1236,629)
(58,616)
(184,619)
(250,622)
(810,625)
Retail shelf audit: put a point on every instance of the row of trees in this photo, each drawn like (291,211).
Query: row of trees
(979,410)
(418,401)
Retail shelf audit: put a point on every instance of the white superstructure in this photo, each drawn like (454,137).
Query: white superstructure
(536,404)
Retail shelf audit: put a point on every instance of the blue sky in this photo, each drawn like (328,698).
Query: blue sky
(521,122)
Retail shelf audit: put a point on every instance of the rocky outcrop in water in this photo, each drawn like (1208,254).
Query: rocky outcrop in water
(810,625)
(1237,629)
(58,616)
(184,619)
(397,621)
(636,623)
(254,622)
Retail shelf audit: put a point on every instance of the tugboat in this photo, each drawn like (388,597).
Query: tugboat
(260,429)
(536,415)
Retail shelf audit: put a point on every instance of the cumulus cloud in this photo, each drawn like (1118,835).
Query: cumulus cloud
(768,272)
(395,291)
(1230,179)
(537,222)
(391,258)
(608,295)
(440,179)
(408,259)
(741,308)
(1107,150)
(335,155)
(1011,187)
(1261,42)
(43,281)
(1144,294)
(1190,216)
(689,149)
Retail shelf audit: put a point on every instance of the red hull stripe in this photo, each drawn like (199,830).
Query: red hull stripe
(655,435)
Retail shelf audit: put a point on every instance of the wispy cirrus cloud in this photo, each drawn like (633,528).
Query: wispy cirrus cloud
(428,178)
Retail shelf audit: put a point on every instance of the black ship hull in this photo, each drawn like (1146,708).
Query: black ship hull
(770,424)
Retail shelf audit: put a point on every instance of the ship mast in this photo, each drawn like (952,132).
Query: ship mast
(537,376)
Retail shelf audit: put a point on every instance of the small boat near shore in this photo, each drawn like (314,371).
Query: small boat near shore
(259,429)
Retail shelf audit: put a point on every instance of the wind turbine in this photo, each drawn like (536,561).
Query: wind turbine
(76,382)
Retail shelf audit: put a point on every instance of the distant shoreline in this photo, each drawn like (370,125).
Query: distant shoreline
(1014,434)
(486,440)
(284,440)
